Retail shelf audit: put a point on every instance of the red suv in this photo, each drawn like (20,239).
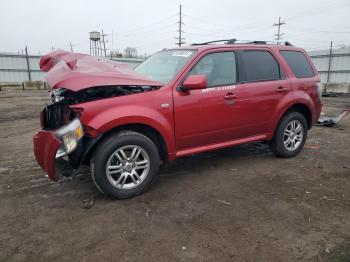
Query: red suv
(124,123)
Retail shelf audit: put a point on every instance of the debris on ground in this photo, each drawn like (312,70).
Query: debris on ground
(326,120)
(88,203)
(329,94)
(311,147)
(222,201)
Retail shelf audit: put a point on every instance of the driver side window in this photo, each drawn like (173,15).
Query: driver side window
(220,68)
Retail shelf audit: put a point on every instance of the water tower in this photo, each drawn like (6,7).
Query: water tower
(95,43)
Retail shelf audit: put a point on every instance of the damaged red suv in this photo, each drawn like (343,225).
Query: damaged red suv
(124,123)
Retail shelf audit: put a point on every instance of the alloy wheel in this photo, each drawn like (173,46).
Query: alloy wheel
(128,167)
(293,135)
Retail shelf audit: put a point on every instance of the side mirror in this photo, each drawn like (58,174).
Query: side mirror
(194,82)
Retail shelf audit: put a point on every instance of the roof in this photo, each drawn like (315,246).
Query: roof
(240,45)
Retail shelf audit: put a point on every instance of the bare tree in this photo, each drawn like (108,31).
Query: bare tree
(130,52)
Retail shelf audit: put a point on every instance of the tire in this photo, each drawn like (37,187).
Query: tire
(125,165)
(280,145)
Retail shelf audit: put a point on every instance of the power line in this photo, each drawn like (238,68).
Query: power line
(223,26)
(148,31)
(317,10)
(141,28)
(312,31)
(180,39)
(279,34)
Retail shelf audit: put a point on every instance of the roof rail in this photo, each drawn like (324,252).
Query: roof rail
(227,41)
(235,41)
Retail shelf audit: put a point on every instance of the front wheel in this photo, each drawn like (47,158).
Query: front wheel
(125,164)
(290,135)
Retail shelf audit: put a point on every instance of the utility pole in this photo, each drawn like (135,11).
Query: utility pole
(28,65)
(180,39)
(112,48)
(329,62)
(71,47)
(279,34)
(104,43)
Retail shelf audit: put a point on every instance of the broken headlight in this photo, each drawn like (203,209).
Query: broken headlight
(69,135)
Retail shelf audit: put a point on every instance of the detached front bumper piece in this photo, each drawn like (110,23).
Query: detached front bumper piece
(45,148)
(326,120)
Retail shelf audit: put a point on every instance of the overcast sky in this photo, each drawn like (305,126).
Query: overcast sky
(151,25)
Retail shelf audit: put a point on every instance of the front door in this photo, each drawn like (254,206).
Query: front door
(210,115)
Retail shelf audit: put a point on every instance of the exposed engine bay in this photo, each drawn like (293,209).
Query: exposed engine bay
(58,113)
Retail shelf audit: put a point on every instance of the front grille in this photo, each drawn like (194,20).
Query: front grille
(56,115)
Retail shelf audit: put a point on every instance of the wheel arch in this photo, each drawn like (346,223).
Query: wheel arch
(300,107)
(147,130)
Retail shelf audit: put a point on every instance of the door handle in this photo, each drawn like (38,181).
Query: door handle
(281,89)
(230,96)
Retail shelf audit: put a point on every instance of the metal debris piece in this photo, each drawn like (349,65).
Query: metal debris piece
(329,94)
(326,120)
(222,201)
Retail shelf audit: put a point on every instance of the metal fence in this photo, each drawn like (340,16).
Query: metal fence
(22,67)
(333,67)
(18,68)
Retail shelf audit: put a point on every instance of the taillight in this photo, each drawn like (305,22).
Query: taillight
(319,90)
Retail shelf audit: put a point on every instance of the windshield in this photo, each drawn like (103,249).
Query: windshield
(164,65)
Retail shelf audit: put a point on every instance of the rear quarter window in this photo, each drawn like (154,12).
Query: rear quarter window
(298,63)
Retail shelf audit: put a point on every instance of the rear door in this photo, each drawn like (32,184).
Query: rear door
(265,85)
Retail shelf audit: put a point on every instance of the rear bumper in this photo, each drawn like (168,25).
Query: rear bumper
(45,149)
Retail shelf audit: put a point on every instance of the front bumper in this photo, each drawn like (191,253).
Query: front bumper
(45,148)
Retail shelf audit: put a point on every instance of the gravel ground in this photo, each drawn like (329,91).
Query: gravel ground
(236,204)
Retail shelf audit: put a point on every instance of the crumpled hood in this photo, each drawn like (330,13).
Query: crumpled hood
(76,71)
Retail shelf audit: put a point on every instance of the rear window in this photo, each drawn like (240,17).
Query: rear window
(260,66)
(298,63)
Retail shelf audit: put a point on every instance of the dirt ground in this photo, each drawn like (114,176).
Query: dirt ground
(237,204)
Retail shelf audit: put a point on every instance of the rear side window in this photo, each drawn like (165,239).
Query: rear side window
(260,66)
(298,63)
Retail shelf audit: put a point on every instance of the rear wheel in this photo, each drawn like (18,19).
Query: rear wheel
(125,165)
(290,135)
